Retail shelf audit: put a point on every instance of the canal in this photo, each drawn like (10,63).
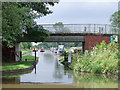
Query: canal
(50,72)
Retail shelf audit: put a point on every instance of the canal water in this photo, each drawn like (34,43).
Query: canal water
(49,71)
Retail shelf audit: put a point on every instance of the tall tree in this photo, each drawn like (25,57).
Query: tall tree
(115,21)
(18,17)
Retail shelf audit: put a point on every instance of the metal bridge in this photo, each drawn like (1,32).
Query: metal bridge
(75,32)
(81,28)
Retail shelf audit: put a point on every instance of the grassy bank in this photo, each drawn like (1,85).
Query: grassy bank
(29,57)
(17,65)
(102,59)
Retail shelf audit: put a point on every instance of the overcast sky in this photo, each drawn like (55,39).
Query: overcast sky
(79,12)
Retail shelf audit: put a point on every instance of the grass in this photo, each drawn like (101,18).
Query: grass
(29,57)
(11,76)
(17,65)
(102,59)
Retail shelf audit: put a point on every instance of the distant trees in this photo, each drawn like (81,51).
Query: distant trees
(26,45)
(59,27)
(47,45)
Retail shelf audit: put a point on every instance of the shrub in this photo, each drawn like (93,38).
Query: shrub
(102,58)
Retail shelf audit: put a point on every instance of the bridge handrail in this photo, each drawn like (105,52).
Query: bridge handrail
(81,28)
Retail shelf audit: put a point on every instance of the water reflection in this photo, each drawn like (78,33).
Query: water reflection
(50,71)
(85,80)
(58,74)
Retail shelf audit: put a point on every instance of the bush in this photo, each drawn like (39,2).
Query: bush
(102,58)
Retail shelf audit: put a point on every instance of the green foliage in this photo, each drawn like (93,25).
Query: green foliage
(65,57)
(26,45)
(115,18)
(19,16)
(36,33)
(102,59)
(115,21)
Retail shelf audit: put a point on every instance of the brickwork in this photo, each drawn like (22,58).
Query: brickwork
(90,41)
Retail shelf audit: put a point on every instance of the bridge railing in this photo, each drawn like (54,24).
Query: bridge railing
(81,28)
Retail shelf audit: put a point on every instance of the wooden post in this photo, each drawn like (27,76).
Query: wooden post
(35,67)
(83,47)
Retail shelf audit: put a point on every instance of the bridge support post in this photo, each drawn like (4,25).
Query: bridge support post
(83,47)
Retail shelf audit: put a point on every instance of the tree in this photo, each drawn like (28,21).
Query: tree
(18,17)
(59,27)
(115,21)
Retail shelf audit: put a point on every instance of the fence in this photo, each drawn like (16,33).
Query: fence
(81,28)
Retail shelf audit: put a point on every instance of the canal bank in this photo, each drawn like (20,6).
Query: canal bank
(103,59)
(15,68)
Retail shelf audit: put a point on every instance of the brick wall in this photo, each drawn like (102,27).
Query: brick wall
(90,41)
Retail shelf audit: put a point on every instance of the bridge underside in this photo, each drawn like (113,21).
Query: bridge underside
(60,39)
(65,39)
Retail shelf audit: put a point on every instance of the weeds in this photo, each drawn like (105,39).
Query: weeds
(102,59)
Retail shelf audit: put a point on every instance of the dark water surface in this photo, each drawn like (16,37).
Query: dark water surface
(49,71)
